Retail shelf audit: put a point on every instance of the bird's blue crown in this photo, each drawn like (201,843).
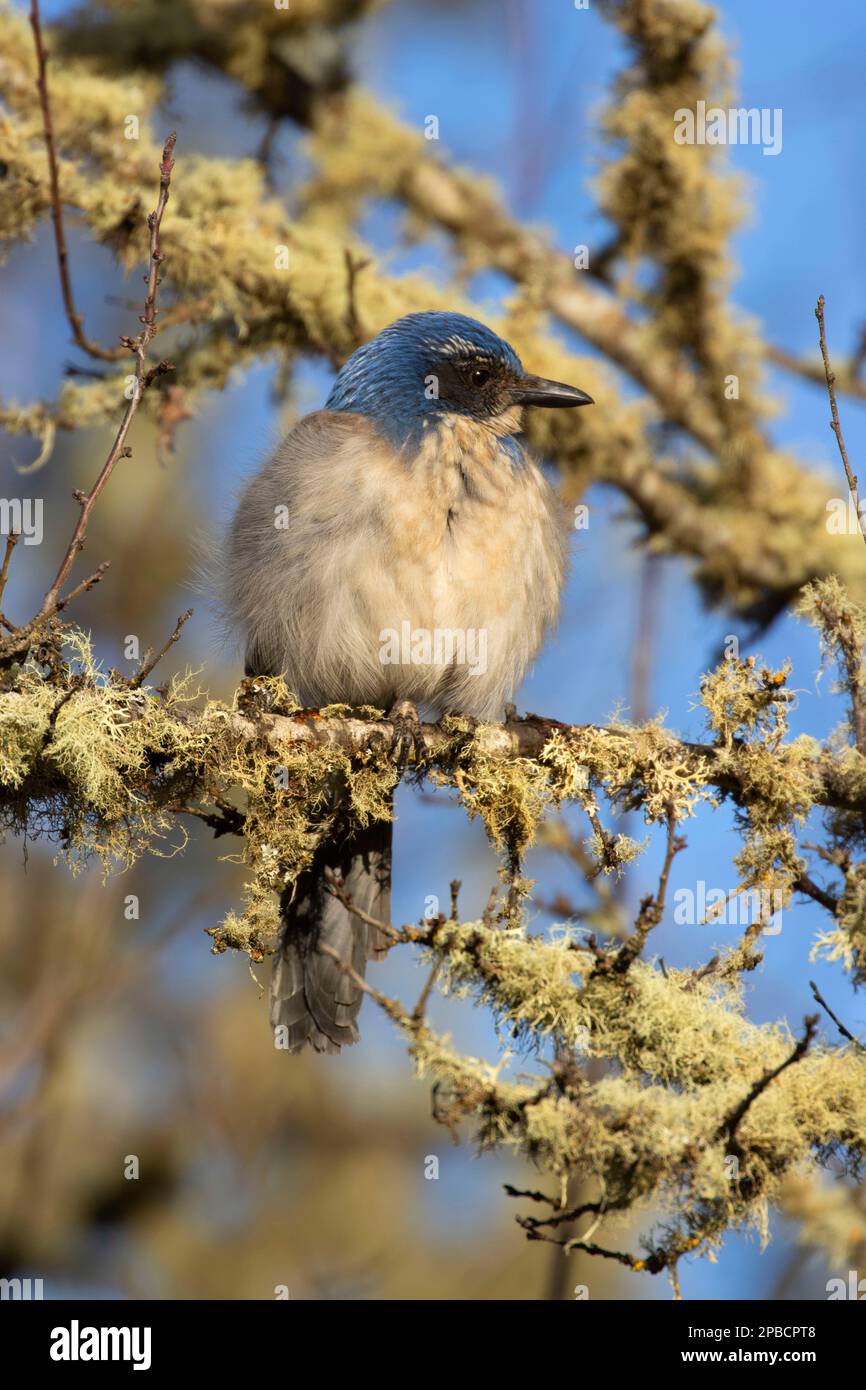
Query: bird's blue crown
(395,378)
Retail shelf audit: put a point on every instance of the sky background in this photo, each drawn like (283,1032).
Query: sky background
(516,85)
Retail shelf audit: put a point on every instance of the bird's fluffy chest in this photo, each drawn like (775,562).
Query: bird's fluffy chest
(473,545)
(467,523)
(460,542)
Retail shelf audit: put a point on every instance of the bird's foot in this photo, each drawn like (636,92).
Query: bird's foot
(407,742)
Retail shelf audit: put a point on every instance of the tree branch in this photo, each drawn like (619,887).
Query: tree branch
(76,320)
(835,424)
(52,602)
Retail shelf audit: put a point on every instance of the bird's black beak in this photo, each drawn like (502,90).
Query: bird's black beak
(534,390)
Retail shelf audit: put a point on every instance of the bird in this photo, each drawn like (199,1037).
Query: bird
(418,562)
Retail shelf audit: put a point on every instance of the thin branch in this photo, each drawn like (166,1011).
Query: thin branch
(806,885)
(143,379)
(846,1033)
(652,908)
(392,1007)
(607,844)
(454,887)
(353,268)
(227,821)
(53,603)
(832,783)
(488,916)
(149,660)
(564,1218)
(83,588)
(76,320)
(728,1128)
(335,887)
(420,1008)
(834,411)
(11,542)
(528,1196)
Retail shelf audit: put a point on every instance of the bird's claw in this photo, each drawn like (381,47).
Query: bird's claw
(407,743)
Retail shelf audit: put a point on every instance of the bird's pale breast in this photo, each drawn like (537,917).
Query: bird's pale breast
(463,541)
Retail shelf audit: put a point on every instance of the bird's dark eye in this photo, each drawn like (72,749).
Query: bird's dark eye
(479,376)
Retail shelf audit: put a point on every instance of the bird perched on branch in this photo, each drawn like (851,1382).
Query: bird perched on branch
(399,546)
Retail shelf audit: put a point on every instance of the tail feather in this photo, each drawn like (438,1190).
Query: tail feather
(313,997)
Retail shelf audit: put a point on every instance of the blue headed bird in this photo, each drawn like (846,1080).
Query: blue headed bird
(399,546)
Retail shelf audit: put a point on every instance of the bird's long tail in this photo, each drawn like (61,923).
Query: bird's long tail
(314,1001)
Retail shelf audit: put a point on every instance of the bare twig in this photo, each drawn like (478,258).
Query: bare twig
(701,973)
(76,320)
(52,602)
(353,268)
(420,1008)
(83,588)
(392,1007)
(529,1196)
(488,916)
(143,379)
(335,888)
(150,660)
(652,908)
(455,887)
(11,542)
(846,1033)
(834,411)
(806,885)
(606,842)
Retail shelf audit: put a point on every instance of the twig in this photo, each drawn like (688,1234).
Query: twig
(528,1195)
(652,908)
(420,1008)
(728,1128)
(83,588)
(834,411)
(651,1265)
(52,602)
(76,320)
(149,660)
(143,379)
(701,974)
(353,269)
(392,1007)
(488,916)
(336,889)
(227,821)
(564,1218)
(606,840)
(846,1033)
(806,885)
(19,637)
(11,542)
(455,887)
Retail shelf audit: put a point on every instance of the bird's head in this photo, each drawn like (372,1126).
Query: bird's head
(432,364)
